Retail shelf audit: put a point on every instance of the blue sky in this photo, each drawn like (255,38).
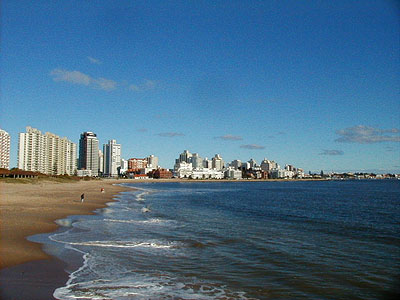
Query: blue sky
(309,83)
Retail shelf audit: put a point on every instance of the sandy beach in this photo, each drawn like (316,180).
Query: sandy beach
(26,272)
(32,208)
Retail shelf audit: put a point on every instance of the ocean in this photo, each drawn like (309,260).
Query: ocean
(236,240)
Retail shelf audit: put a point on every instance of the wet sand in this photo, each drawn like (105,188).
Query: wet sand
(32,208)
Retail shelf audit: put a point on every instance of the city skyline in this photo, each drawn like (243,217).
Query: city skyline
(308,83)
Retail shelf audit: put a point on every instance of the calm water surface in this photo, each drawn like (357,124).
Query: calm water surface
(239,240)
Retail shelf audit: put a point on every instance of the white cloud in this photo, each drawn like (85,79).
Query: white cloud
(367,135)
(331,152)
(252,147)
(94,60)
(76,77)
(229,137)
(105,84)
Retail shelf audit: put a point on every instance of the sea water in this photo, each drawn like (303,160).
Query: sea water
(236,240)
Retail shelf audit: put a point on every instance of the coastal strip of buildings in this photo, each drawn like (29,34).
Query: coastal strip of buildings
(192,166)
(50,154)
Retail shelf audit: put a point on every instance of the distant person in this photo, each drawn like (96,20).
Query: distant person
(82,197)
(102,190)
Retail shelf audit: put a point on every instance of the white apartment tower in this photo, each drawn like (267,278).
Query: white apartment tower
(61,155)
(185,156)
(46,153)
(101,162)
(217,162)
(32,151)
(89,152)
(197,161)
(112,158)
(152,161)
(4,149)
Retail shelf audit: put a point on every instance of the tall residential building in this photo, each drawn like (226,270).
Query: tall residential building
(112,158)
(89,152)
(197,161)
(207,163)
(185,156)
(61,155)
(217,162)
(101,163)
(4,149)
(253,163)
(152,161)
(32,151)
(237,164)
(46,153)
(124,166)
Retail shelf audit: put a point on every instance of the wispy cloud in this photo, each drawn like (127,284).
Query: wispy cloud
(145,86)
(105,84)
(331,152)
(229,137)
(94,60)
(367,135)
(252,147)
(76,77)
(170,134)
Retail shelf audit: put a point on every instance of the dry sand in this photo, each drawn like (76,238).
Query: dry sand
(28,209)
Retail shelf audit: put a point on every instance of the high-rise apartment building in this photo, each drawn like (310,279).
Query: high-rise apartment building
(61,155)
(112,158)
(185,156)
(4,149)
(32,151)
(253,163)
(152,161)
(197,161)
(237,164)
(217,162)
(89,152)
(101,163)
(46,153)
(207,163)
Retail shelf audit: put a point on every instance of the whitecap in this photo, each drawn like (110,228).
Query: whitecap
(64,222)
(117,244)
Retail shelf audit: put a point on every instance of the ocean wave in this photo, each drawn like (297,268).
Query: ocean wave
(117,244)
(64,222)
(140,286)
(155,221)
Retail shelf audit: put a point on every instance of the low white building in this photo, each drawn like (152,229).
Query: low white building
(281,174)
(183,169)
(233,173)
(84,173)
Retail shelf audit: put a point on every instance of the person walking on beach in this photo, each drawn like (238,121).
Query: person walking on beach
(82,197)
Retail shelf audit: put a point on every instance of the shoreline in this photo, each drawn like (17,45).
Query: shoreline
(33,208)
(27,209)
